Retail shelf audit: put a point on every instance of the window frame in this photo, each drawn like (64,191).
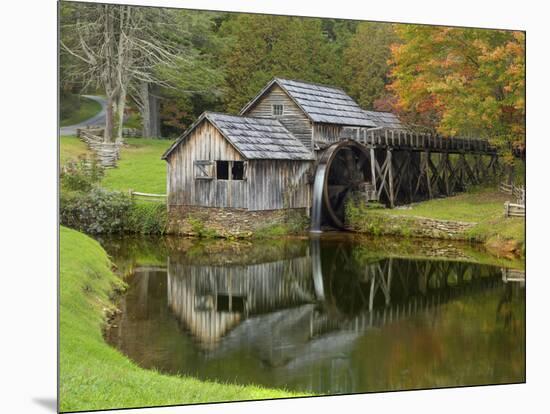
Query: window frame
(230,164)
(233,163)
(228,170)
(205,166)
(277,106)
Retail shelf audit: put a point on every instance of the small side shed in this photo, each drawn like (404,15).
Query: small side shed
(238,162)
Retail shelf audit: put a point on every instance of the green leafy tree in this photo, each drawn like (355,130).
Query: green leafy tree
(365,62)
(191,82)
(261,47)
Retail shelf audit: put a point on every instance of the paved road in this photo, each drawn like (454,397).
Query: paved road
(98,119)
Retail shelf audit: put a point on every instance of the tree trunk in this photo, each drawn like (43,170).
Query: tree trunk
(121,105)
(145,114)
(149,110)
(108,133)
(107,74)
(510,174)
(154,111)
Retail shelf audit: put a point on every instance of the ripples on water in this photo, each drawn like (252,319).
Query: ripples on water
(321,316)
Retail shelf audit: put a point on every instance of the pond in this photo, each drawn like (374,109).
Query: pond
(329,314)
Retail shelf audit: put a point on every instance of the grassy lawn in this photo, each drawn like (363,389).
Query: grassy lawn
(481,205)
(92,374)
(88,108)
(71,148)
(139,168)
(478,204)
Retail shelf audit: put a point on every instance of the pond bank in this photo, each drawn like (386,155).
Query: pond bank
(475,216)
(94,375)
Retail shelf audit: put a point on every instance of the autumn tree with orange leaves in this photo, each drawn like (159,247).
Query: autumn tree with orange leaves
(460,81)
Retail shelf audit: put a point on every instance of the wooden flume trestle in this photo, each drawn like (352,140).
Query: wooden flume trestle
(402,167)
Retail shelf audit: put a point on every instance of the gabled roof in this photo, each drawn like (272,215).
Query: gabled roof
(254,138)
(384,119)
(324,104)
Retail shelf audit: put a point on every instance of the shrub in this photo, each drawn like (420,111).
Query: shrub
(98,211)
(354,211)
(199,228)
(147,218)
(81,175)
(70,104)
(295,221)
(271,230)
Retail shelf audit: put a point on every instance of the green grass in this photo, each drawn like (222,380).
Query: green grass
(140,167)
(478,204)
(88,108)
(94,375)
(71,148)
(481,205)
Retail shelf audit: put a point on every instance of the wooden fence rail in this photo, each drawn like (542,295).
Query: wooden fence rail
(146,196)
(514,210)
(512,275)
(519,194)
(107,153)
(517,191)
(405,139)
(98,130)
(506,188)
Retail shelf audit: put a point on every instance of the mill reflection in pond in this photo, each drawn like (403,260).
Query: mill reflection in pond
(324,316)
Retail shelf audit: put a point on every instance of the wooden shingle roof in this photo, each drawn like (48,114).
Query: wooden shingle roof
(384,119)
(254,138)
(323,104)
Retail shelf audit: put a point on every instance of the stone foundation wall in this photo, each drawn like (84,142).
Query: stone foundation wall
(223,222)
(442,229)
(412,226)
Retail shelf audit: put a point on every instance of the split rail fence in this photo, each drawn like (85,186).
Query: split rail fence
(107,153)
(514,209)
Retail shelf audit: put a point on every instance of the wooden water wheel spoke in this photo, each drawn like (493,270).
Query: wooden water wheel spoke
(361,162)
(336,190)
(346,168)
(349,159)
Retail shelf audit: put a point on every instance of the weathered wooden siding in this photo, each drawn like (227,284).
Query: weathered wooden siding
(293,118)
(270,180)
(203,144)
(324,133)
(267,181)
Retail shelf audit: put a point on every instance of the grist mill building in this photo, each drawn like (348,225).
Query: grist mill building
(240,171)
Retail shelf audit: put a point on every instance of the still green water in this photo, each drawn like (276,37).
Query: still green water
(322,315)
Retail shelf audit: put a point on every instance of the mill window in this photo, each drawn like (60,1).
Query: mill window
(237,170)
(230,170)
(277,110)
(222,170)
(203,169)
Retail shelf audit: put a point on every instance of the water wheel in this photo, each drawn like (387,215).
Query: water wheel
(345,168)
